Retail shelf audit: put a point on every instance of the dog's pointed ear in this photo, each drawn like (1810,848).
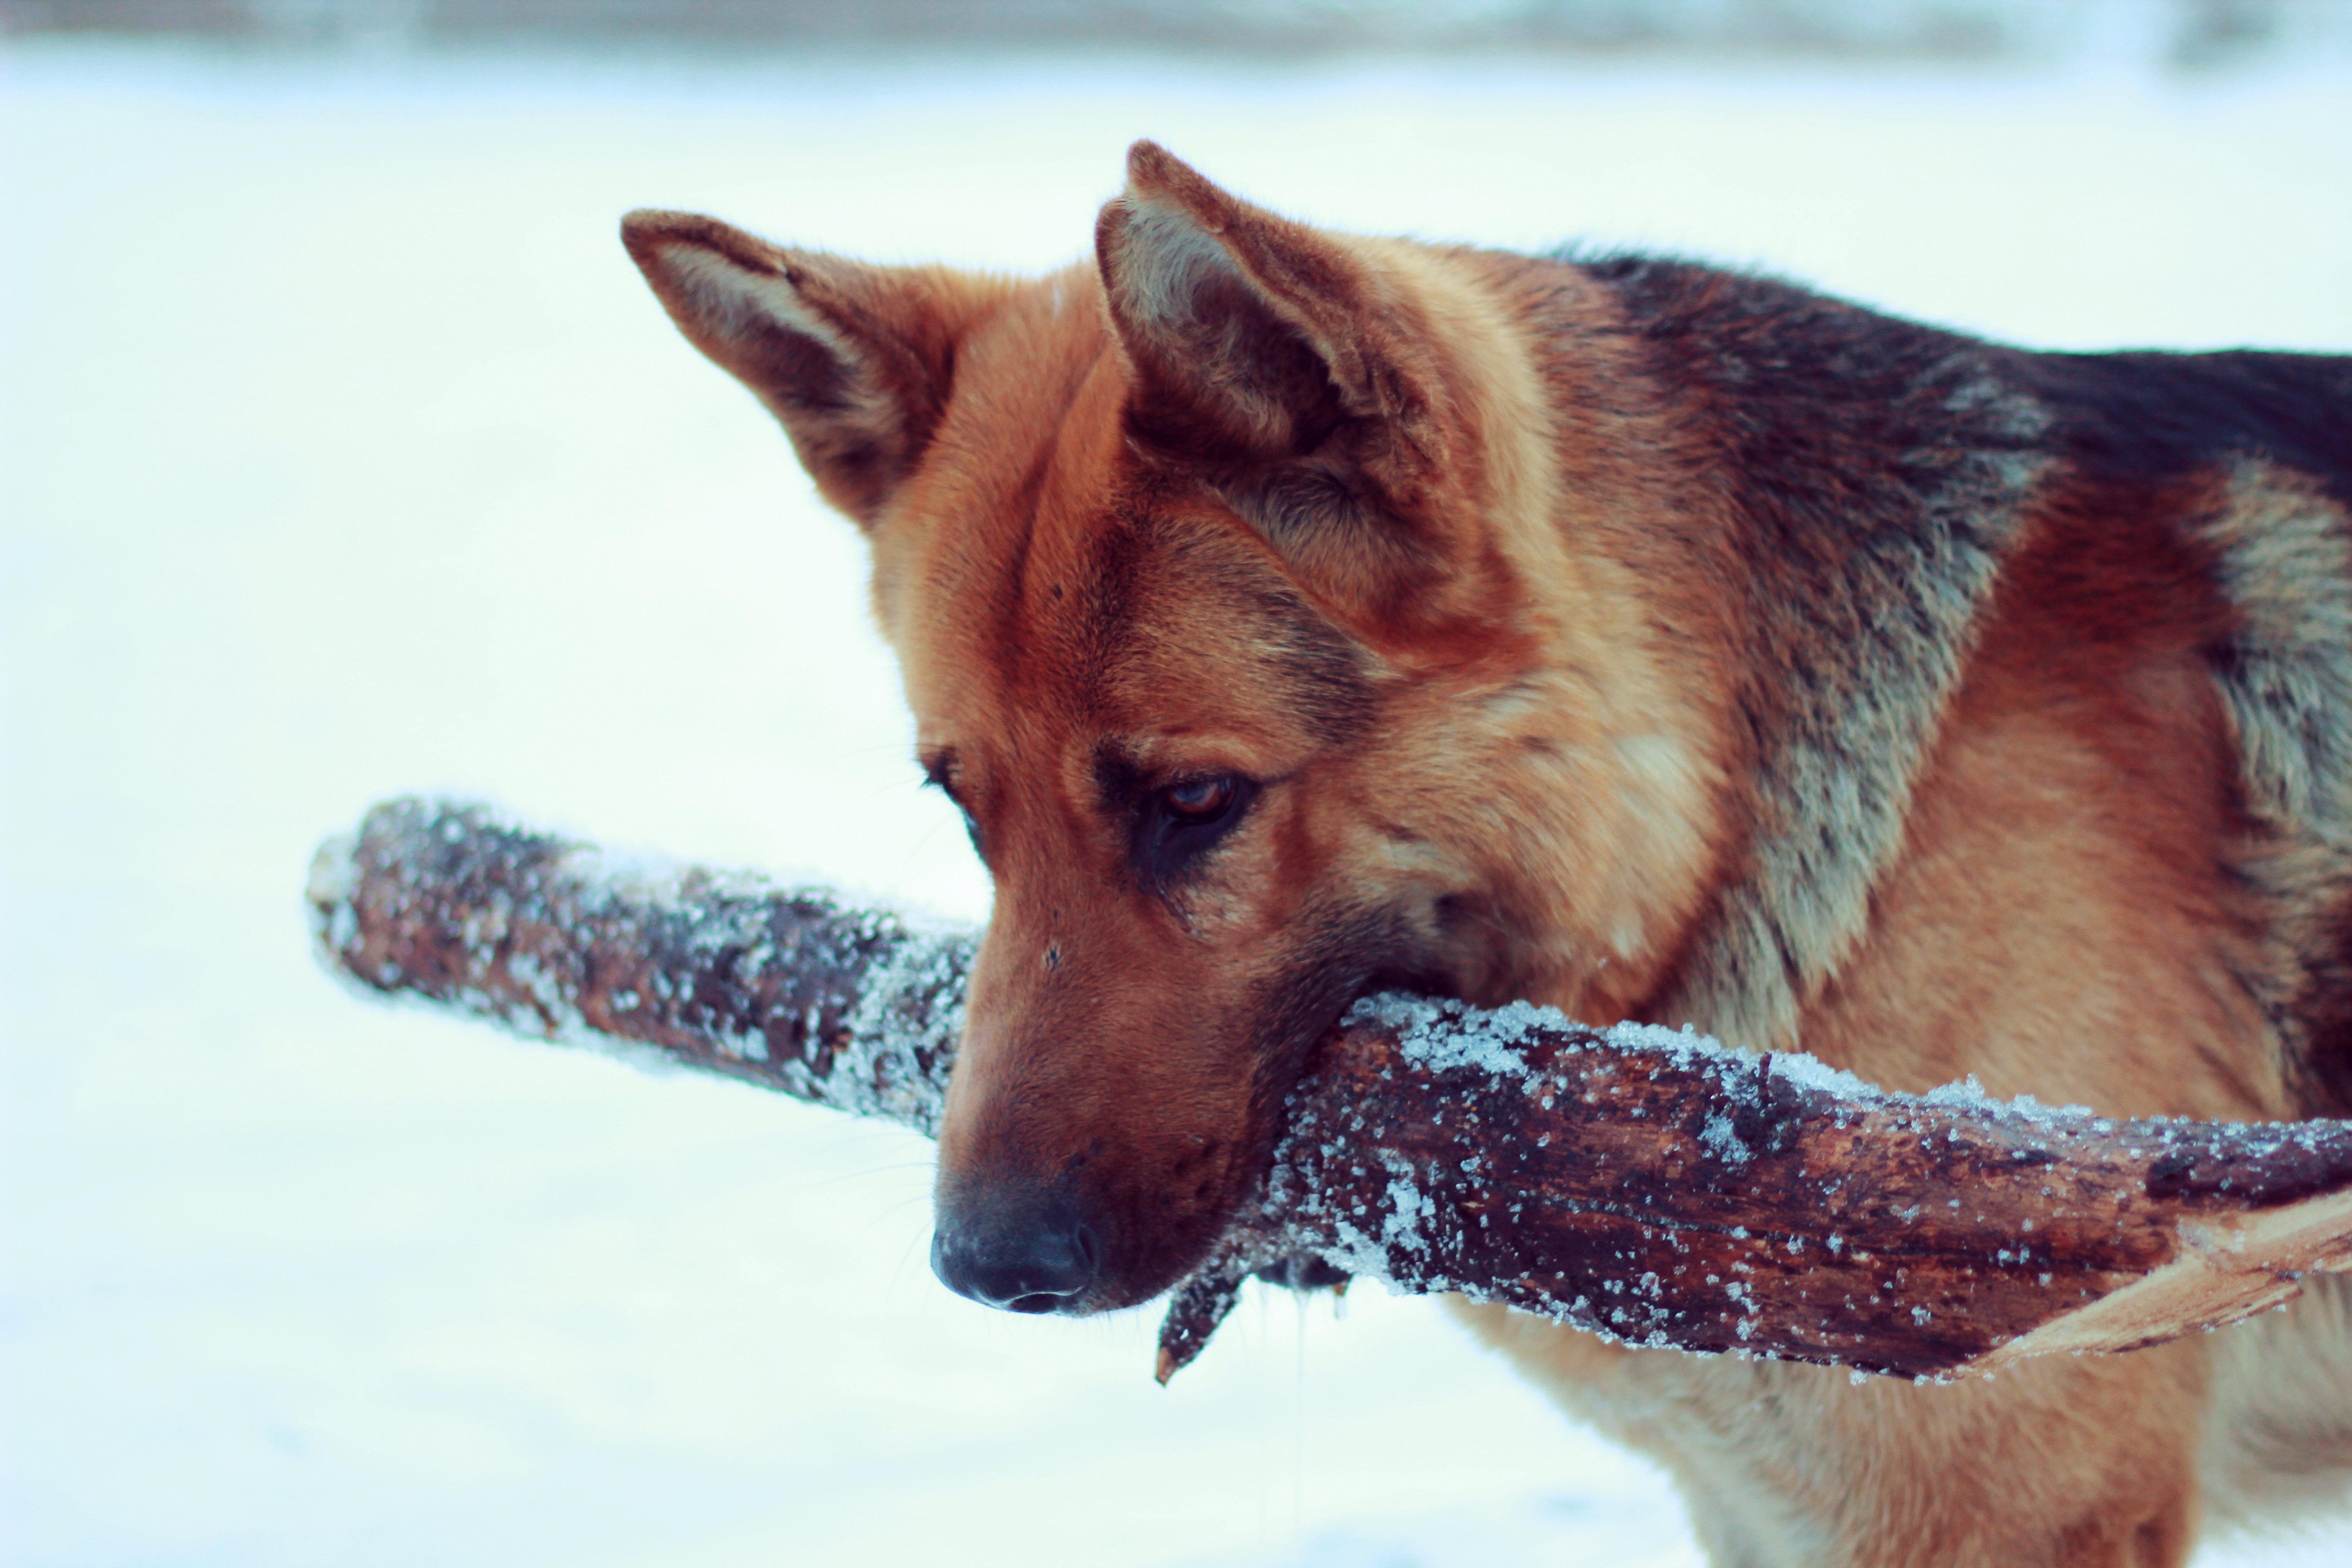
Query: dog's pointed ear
(1261,336)
(856,360)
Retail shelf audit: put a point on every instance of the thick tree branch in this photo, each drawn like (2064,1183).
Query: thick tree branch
(1654,1187)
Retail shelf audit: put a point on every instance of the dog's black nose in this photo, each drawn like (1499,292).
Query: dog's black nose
(1022,1258)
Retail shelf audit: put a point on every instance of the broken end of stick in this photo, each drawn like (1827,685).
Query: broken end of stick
(2223,1272)
(335,873)
(337,888)
(327,895)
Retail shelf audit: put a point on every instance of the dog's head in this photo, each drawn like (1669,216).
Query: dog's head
(1237,586)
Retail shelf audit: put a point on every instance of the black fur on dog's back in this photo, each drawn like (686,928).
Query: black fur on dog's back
(2153,416)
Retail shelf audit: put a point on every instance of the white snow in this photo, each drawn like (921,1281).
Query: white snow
(342,454)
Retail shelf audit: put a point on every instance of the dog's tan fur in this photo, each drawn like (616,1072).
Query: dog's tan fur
(1456,558)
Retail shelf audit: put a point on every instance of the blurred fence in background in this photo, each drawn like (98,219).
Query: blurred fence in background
(2183,32)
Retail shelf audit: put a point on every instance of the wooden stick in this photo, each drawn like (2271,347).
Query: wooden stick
(1653,1187)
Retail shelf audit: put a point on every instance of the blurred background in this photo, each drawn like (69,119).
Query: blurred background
(342,454)
(2187,33)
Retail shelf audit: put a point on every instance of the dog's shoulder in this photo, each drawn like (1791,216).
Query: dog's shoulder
(1875,475)
(2122,550)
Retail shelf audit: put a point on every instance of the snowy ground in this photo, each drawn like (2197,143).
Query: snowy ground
(342,454)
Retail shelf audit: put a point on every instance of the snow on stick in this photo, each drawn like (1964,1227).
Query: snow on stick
(1652,1186)
(722,971)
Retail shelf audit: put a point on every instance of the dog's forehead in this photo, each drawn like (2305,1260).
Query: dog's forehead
(1121,617)
(1195,612)
(1048,583)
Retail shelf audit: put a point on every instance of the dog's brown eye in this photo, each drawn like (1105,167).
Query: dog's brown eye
(1183,822)
(1197,800)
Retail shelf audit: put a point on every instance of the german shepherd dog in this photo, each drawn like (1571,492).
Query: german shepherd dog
(1293,614)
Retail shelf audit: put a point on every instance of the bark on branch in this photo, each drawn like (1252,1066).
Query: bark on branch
(1654,1187)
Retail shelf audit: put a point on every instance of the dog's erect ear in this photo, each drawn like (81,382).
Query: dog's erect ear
(855,360)
(1257,340)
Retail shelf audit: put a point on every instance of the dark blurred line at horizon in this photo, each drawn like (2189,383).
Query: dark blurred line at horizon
(2179,32)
